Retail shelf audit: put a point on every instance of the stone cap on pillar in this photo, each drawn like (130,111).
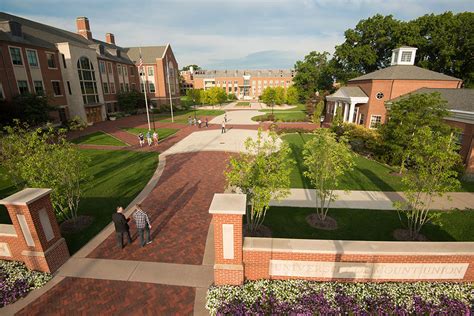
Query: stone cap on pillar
(228,203)
(25,196)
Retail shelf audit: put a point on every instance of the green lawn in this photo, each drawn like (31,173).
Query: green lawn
(162,132)
(366,175)
(355,224)
(118,178)
(99,138)
(182,116)
(297,114)
(299,108)
(243,104)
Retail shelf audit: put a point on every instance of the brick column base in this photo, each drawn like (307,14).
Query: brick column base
(48,261)
(232,274)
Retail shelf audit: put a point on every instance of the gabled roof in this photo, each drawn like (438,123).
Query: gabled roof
(355,92)
(458,99)
(149,53)
(405,72)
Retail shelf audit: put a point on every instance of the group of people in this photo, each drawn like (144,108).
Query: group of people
(197,122)
(122,228)
(152,138)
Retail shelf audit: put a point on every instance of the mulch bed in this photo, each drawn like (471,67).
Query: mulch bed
(404,235)
(261,231)
(329,223)
(73,226)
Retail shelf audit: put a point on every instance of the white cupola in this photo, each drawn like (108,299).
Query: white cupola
(403,55)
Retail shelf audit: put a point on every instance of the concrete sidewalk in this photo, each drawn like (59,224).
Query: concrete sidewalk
(374,200)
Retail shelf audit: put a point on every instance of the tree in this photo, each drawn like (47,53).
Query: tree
(406,116)
(129,101)
(29,108)
(434,156)
(195,67)
(231,96)
(43,158)
(279,95)
(292,96)
(194,95)
(327,160)
(338,119)
(262,172)
(268,96)
(318,111)
(216,95)
(312,74)
(204,96)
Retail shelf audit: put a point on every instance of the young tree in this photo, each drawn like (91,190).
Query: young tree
(262,172)
(434,156)
(406,116)
(337,120)
(216,95)
(327,160)
(194,95)
(292,96)
(45,159)
(279,95)
(318,111)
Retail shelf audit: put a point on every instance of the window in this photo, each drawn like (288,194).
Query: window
(122,87)
(151,86)
(134,88)
(56,88)
(87,80)
(38,87)
(69,87)
(106,88)
(150,71)
(2,95)
(32,58)
(361,119)
(379,95)
(406,56)
(119,70)
(236,82)
(375,121)
(64,61)
(15,53)
(112,87)
(235,89)
(109,68)
(102,67)
(142,87)
(132,71)
(127,88)
(22,86)
(51,61)
(125,71)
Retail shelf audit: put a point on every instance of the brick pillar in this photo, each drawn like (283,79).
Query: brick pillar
(33,218)
(227,211)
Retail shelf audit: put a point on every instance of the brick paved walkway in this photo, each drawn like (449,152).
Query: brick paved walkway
(75,296)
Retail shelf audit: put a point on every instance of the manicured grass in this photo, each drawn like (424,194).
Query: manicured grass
(299,108)
(355,224)
(366,174)
(162,132)
(243,104)
(182,116)
(118,178)
(99,138)
(297,114)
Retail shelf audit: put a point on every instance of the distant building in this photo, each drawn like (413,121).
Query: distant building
(245,84)
(82,75)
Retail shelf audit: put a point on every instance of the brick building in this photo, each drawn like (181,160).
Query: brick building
(245,84)
(83,75)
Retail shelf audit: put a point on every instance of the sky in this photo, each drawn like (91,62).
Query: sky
(219,34)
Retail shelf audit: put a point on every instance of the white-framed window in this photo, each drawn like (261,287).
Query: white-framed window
(102,67)
(134,87)
(127,87)
(69,87)
(112,88)
(56,88)
(51,60)
(106,87)
(109,68)
(119,69)
(375,121)
(23,86)
(379,95)
(406,56)
(15,54)
(125,71)
(142,87)
(32,57)
(132,71)
(87,80)
(151,87)
(122,87)
(39,89)
(150,71)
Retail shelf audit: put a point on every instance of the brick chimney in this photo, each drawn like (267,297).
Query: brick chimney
(83,28)
(110,38)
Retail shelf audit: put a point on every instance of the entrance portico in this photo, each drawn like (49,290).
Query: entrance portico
(347,98)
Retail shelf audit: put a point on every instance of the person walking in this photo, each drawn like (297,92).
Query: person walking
(143,225)
(225,117)
(199,123)
(148,138)
(190,120)
(207,123)
(155,138)
(194,121)
(223,127)
(141,139)
(121,227)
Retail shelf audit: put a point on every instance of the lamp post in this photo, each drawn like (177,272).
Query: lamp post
(153,116)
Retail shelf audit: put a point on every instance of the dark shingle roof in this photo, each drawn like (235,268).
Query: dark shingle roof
(402,72)
(149,53)
(458,99)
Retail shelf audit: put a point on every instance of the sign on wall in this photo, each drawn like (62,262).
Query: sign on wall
(367,270)
(5,250)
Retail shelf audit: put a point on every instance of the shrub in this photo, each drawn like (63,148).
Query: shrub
(363,140)
(296,297)
(16,281)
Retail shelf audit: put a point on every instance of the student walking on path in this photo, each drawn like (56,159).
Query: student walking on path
(141,139)
(223,127)
(199,123)
(207,123)
(148,138)
(225,117)
(143,225)
(155,138)
(121,227)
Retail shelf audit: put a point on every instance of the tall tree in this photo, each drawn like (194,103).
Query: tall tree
(433,173)
(262,172)
(327,160)
(312,74)
(279,95)
(195,67)
(194,95)
(292,96)
(406,116)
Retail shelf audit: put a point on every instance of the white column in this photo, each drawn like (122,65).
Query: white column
(335,108)
(346,107)
(351,112)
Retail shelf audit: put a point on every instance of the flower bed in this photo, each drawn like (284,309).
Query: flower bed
(16,281)
(299,297)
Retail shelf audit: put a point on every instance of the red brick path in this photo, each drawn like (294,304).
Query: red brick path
(178,208)
(74,296)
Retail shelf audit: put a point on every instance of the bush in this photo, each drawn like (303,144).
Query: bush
(16,281)
(296,297)
(129,102)
(363,140)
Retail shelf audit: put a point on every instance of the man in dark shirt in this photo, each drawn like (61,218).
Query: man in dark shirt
(121,227)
